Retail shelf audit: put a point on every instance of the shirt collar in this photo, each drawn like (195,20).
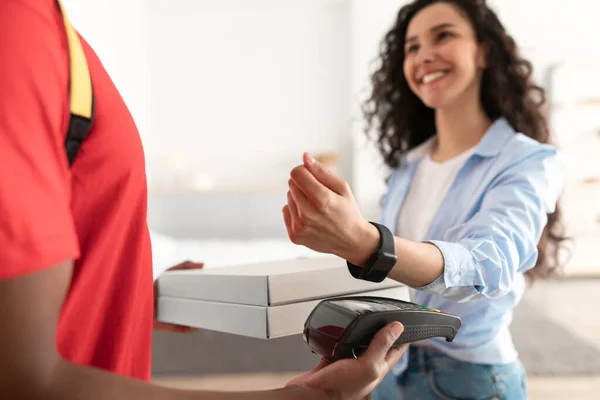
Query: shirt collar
(490,145)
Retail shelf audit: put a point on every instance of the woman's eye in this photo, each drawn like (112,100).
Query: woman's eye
(412,48)
(444,35)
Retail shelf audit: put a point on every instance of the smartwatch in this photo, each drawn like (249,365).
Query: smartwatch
(381,263)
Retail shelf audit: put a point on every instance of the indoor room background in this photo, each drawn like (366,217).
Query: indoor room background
(228,94)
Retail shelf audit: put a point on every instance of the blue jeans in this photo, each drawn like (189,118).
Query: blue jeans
(432,375)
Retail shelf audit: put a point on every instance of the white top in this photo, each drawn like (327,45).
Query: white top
(510,187)
(430,184)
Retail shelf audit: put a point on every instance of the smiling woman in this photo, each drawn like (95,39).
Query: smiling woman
(443,62)
(451,63)
(471,205)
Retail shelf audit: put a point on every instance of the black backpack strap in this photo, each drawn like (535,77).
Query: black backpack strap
(81,94)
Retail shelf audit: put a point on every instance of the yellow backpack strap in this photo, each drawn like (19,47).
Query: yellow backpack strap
(81,95)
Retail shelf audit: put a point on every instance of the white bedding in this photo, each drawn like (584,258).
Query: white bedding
(168,251)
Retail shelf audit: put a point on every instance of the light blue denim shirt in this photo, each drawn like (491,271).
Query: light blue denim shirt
(487,228)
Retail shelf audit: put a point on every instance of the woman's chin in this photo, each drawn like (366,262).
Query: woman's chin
(436,102)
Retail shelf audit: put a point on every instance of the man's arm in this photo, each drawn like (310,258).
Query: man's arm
(32,369)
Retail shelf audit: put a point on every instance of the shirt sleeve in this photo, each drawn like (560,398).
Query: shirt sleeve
(36,226)
(483,255)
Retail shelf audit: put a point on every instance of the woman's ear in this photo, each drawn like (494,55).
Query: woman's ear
(483,55)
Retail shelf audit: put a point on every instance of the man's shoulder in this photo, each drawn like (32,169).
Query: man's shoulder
(30,15)
(33,39)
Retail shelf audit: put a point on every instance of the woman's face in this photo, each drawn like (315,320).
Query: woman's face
(443,60)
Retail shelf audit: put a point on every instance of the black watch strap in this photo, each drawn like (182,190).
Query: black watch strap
(380,264)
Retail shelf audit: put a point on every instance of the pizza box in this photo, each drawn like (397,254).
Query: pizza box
(257,321)
(267,283)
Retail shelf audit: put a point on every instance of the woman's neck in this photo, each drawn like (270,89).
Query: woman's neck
(458,129)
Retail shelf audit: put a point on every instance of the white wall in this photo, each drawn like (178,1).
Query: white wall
(117,31)
(240,88)
(369,21)
(557,30)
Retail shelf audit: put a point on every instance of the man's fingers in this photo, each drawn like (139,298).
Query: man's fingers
(192,265)
(187,265)
(322,364)
(301,379)
(166,327)
(183,329)
(379,348)
(394,355)
(325,176)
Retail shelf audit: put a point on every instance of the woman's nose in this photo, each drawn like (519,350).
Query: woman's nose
(426,55)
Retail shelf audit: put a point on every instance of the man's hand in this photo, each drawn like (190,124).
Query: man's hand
(322,214)
(355,378)
(172,327)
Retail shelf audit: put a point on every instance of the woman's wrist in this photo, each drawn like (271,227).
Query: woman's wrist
(365,244)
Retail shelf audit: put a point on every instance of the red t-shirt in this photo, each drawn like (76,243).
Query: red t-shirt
(94,212)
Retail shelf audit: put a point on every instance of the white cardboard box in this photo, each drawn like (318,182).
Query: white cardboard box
(264,300)
(269,283)
(247,320)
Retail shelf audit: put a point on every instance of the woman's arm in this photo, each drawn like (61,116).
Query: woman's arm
(477,258)
(418,263)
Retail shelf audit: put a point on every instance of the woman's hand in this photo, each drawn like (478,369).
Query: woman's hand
(322,214)
(354,379)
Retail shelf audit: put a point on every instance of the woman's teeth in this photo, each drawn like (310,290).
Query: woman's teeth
(433,76)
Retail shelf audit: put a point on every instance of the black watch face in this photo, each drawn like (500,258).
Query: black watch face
(381,268)
(386,261)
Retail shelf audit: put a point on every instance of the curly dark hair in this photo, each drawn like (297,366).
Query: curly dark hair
(400,121)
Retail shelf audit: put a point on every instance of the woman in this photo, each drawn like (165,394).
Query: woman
(471,199)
